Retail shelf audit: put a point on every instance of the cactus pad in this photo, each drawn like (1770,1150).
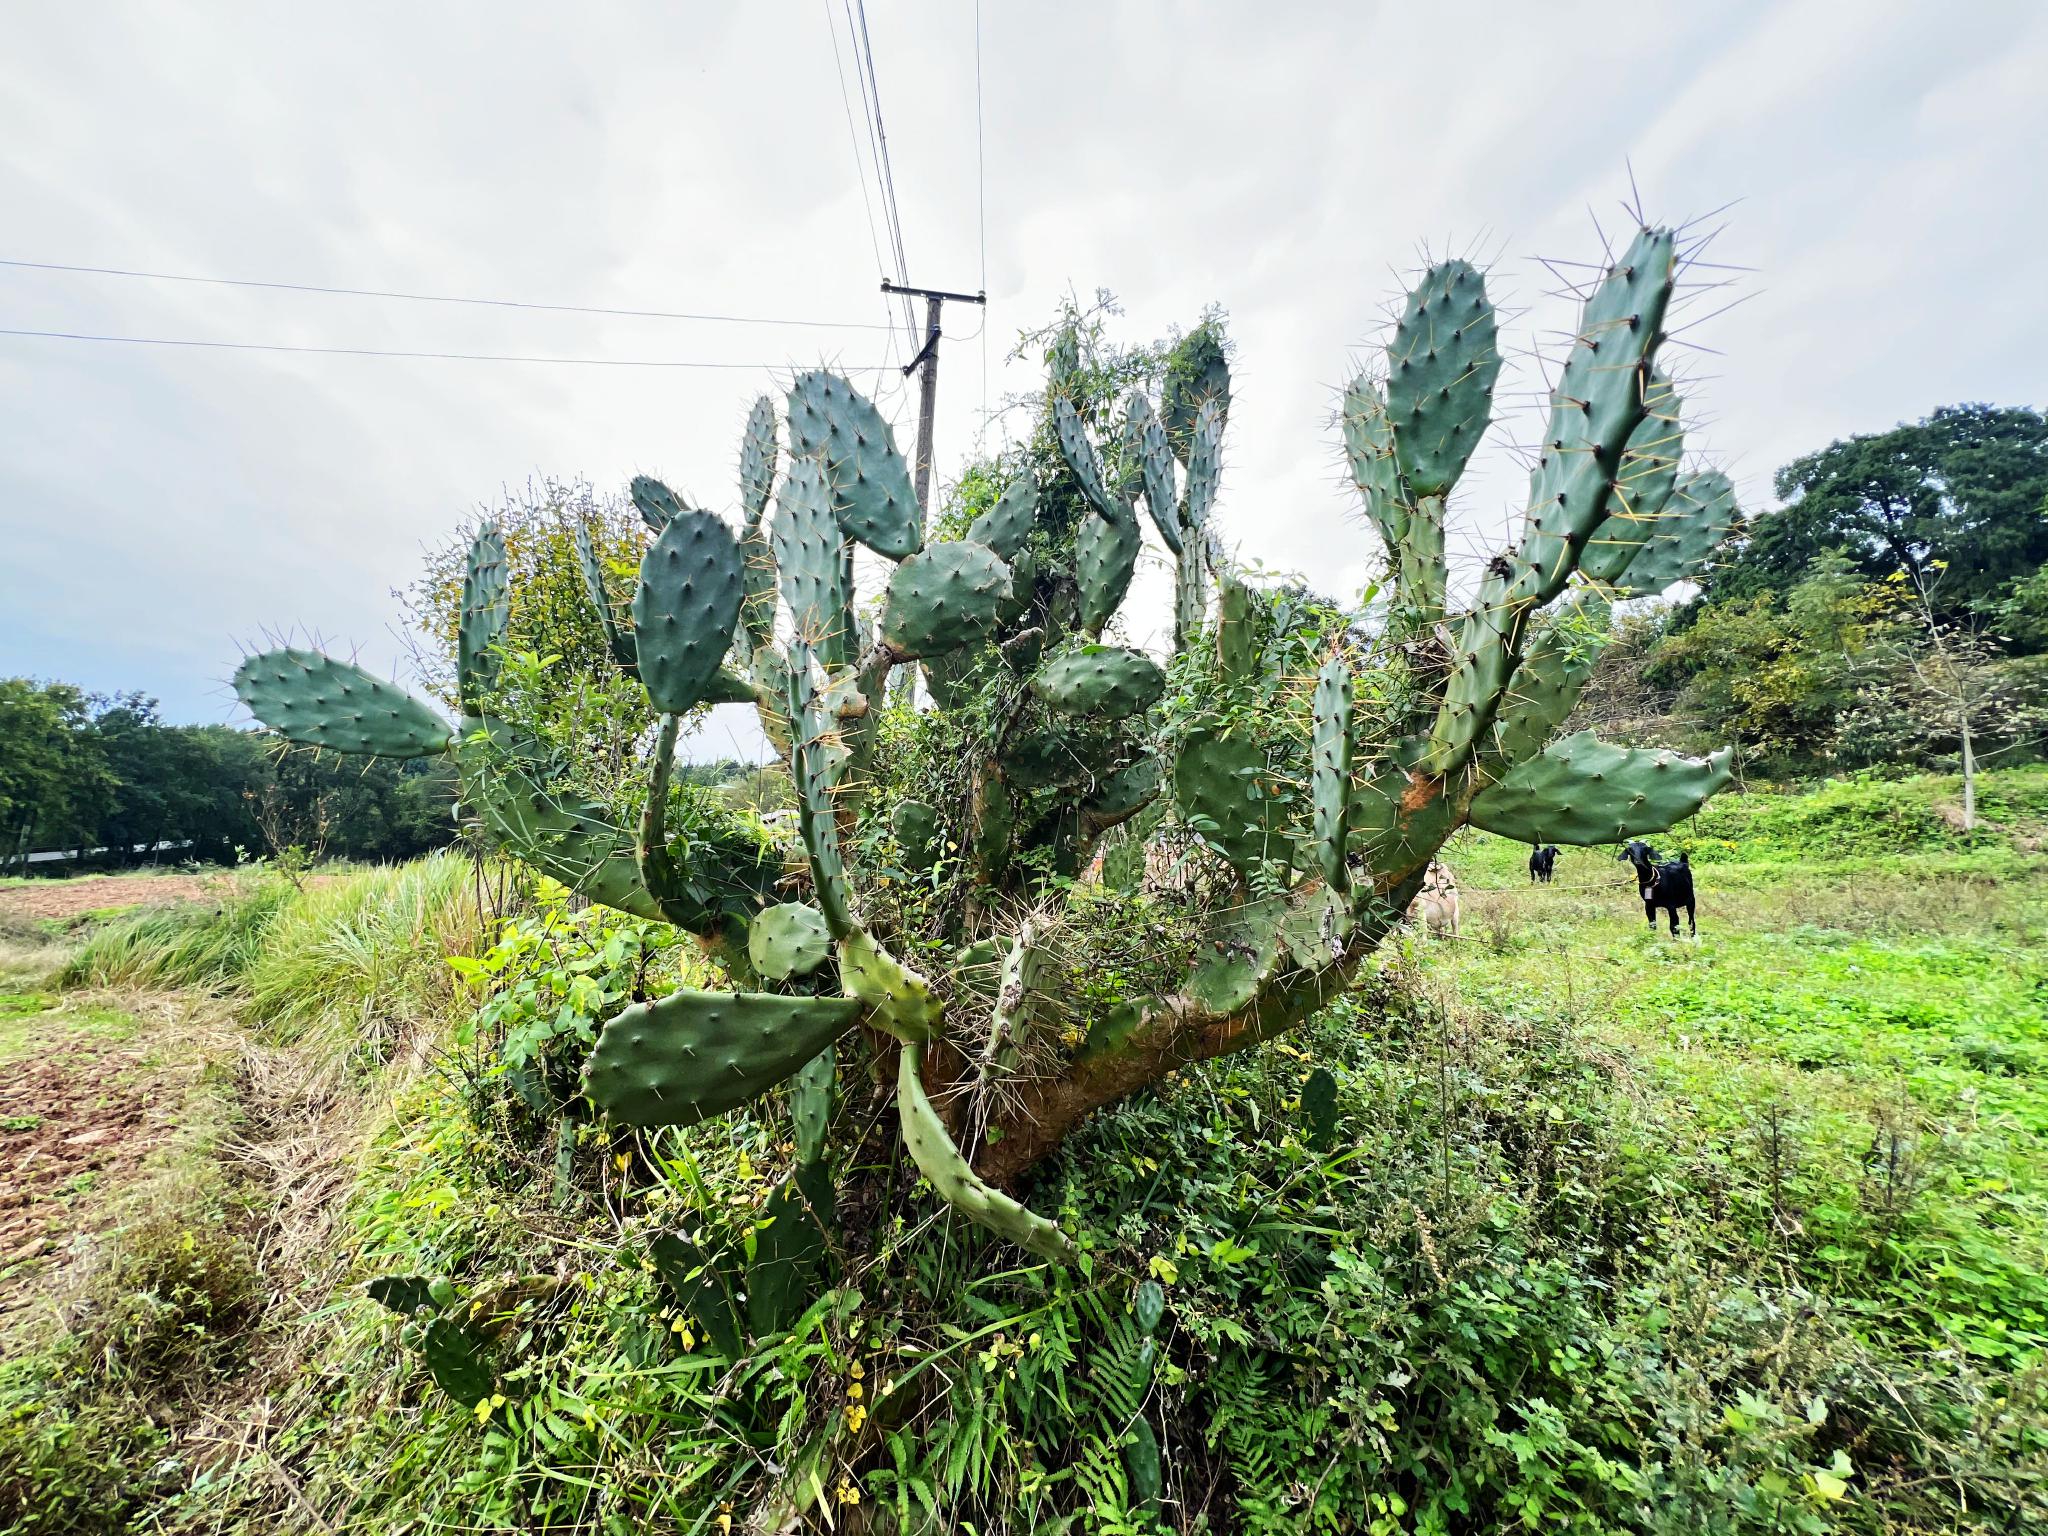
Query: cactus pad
(870,490)
(939,1160)
(757,461)
(943,598)
(318,701)
(810,558)
(1240,957)
(1005,526)
(1330,769)
(486,609)
(899,1000)
(916,826)
(1205,463)
(617,638)
(1230,798)
(1369,450)
(810,1104)
(1583,791)
(1144,435)
(1442,361)
(1601,396)
(685,1057)
(1692,525)
(566,839)
(1649,471)
(1105,554)
(1319,1109)
(1100,680)
(788,940)
(1196,374)
(685,607)
(1081,457)
(655,502)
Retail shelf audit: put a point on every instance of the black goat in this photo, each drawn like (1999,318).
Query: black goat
(1666,884)
(1542,865)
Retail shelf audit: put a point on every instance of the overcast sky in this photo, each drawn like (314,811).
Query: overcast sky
(159,505)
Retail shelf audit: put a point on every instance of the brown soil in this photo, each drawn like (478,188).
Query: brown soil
(81,1116)
(62,900)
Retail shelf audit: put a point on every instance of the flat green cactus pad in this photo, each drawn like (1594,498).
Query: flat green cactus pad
(811,560)
(685,1057)
(1205,464)
(1196,374)
(1231,799)
(1642,487)
(1554,668)
(917,829)
(899,1000)
(1106,680)
(565,838)
(1599,399)
(810,1104)
(1106,550)
(1442,361)
(1369,450)
(617,637)
(655,502)
(318,701)
(1081,457)
(757,461)
(486,609)
(1146,438)
(1005,526)
(871,493)
(685,607)
(944,597)
(788,940)
(1241,955)
(1330,769)
(1583,791)
(1120,795)
(1319,1108)
(1701,511)
(939,1160)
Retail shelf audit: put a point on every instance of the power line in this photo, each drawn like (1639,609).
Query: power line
(981,220)
(871,97)
(443,298)
(460,357)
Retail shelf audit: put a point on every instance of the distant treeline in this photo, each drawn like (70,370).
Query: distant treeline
(103,780)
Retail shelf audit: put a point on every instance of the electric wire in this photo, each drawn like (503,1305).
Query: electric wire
(444,298)
(460,357)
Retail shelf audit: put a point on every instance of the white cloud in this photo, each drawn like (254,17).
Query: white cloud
(1285,161)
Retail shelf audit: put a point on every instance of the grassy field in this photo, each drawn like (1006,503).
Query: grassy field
(1742,1233)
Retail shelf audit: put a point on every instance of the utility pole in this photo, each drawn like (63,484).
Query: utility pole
(928,384)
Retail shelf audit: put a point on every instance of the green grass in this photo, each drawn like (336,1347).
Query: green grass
(1616,1233)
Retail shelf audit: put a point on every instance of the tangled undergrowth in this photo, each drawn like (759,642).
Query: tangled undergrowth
(1593,1241)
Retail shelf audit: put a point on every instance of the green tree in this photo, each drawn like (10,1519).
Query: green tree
(1779,677)
(565,687)
(53,782)
(1965,486)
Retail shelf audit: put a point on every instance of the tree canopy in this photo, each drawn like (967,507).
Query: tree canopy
(1967,486)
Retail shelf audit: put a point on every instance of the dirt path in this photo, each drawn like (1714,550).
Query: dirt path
(62,900)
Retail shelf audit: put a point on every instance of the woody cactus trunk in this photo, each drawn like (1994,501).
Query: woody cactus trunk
(937,921)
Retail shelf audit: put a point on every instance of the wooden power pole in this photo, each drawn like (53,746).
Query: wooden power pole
(928,383)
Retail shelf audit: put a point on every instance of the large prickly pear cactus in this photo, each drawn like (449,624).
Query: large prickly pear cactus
(936,908)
